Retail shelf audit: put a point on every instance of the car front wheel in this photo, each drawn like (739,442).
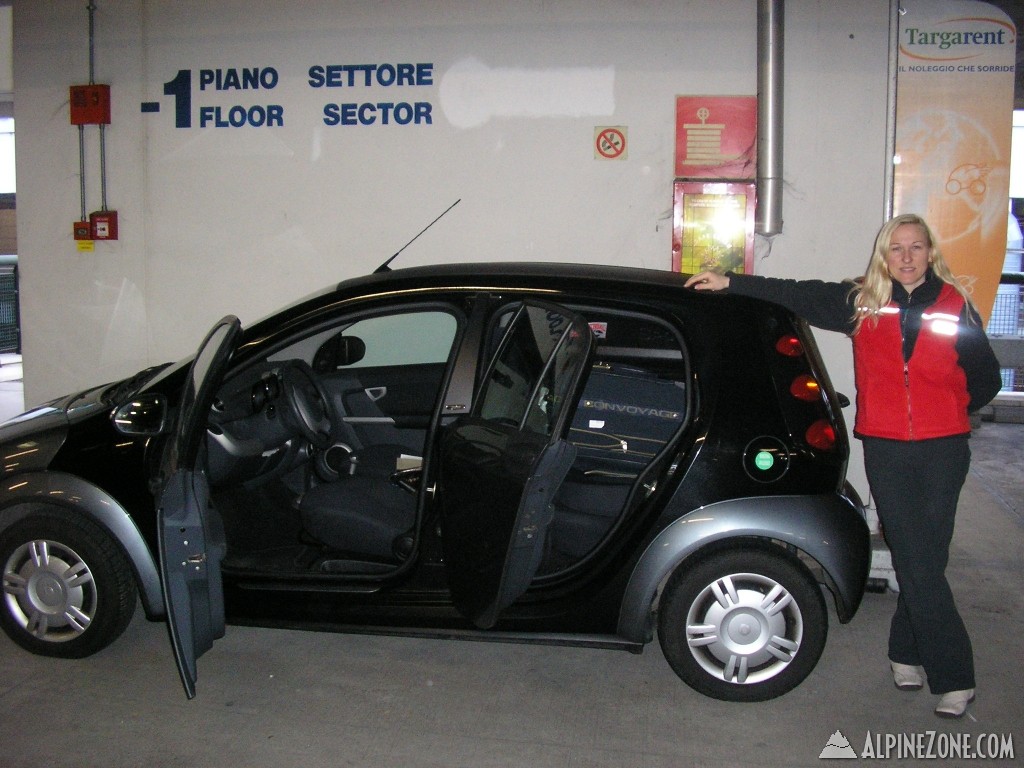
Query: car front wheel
(743,625)
(67,588)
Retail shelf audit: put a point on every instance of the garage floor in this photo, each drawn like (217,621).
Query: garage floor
(284,698)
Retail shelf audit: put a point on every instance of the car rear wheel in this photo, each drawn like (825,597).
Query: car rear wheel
(67,589)
(744,625)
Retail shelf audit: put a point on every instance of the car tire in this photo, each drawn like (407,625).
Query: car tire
(743,625)
(68,590)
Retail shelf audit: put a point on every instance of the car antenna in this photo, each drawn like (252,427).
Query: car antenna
(385,268)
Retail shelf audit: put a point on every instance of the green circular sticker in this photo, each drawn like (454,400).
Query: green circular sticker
(764,460)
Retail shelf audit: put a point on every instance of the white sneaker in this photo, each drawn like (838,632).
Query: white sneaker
(954,704)
(906,677)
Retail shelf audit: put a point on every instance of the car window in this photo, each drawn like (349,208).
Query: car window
(405,338)
(410,338)
(522,388)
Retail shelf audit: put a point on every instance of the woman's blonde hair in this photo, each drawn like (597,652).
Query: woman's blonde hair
(874,290)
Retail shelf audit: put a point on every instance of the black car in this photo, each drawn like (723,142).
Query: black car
(507,452)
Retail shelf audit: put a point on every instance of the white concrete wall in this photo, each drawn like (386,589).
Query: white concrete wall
(6,57)
(243,220)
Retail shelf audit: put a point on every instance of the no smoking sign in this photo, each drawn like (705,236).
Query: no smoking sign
(610,142)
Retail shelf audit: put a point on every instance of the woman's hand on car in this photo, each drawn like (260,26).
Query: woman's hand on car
(708,281)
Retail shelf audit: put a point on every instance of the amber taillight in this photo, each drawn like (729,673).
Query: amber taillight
(805,387)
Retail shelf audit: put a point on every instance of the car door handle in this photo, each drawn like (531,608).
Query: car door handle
(375,393)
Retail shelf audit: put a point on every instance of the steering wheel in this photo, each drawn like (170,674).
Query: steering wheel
(308,402)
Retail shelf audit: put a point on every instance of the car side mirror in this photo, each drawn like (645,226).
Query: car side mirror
(143,416)
(338,352)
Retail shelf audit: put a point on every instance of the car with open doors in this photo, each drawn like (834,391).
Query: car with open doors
(510,452)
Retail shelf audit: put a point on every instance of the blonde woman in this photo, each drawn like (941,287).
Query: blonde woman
(922,363)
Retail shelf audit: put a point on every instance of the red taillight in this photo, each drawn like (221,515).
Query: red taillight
(789,346)
(821,435)
(805,387)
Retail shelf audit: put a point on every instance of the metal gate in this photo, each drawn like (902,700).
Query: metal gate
(10,325)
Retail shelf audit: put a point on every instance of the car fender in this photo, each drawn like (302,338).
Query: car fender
(19,492)
(829,528)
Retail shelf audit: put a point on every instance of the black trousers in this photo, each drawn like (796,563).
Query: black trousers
(916,487)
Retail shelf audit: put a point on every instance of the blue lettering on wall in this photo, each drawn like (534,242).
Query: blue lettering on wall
(367,75)
(258,116)
(366,111)
(379,113)
(250,78)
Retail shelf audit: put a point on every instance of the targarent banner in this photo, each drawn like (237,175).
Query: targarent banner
(954,118)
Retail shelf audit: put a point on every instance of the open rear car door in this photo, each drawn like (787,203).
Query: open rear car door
(502,464)
(190,532)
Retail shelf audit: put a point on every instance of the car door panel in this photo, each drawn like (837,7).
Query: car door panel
(405,394)
(392,404)
(502,464)
(192,549)
(190,532)
(498,499)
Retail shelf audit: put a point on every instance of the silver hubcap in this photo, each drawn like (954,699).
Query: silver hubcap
(49,591)
(744,628)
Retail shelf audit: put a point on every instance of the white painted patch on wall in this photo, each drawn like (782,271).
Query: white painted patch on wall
(472,93)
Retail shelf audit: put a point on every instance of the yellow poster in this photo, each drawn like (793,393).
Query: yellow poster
(954,117)
(713,226)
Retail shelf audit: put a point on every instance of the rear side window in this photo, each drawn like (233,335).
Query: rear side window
(528,383)
(635,399)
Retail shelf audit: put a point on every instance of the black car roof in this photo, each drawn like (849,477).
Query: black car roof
(522,274)
(575,282)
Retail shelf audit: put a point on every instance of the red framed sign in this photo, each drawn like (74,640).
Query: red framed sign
(713,227)
(716,137)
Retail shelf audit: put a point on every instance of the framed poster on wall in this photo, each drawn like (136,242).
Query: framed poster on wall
(713,226)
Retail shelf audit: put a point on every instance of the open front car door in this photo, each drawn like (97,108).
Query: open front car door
(191,535)
(502,463)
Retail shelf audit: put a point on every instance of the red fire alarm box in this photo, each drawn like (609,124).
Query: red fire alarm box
(83,230)
(90,104)
(103,225)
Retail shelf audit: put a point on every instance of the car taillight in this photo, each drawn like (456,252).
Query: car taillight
(805,387)
(789,346)
(821,435)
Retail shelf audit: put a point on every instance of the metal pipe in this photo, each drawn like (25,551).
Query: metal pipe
(888,193)
(770,59)
(103,134)
(91,7)
(103,167)
(81,167)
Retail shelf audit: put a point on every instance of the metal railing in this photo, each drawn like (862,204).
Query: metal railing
(10,324)
(1006,327)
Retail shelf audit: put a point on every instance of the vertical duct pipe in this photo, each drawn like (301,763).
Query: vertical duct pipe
(888,201)
(770,50)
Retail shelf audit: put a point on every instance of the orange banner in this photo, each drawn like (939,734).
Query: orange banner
(954,118)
